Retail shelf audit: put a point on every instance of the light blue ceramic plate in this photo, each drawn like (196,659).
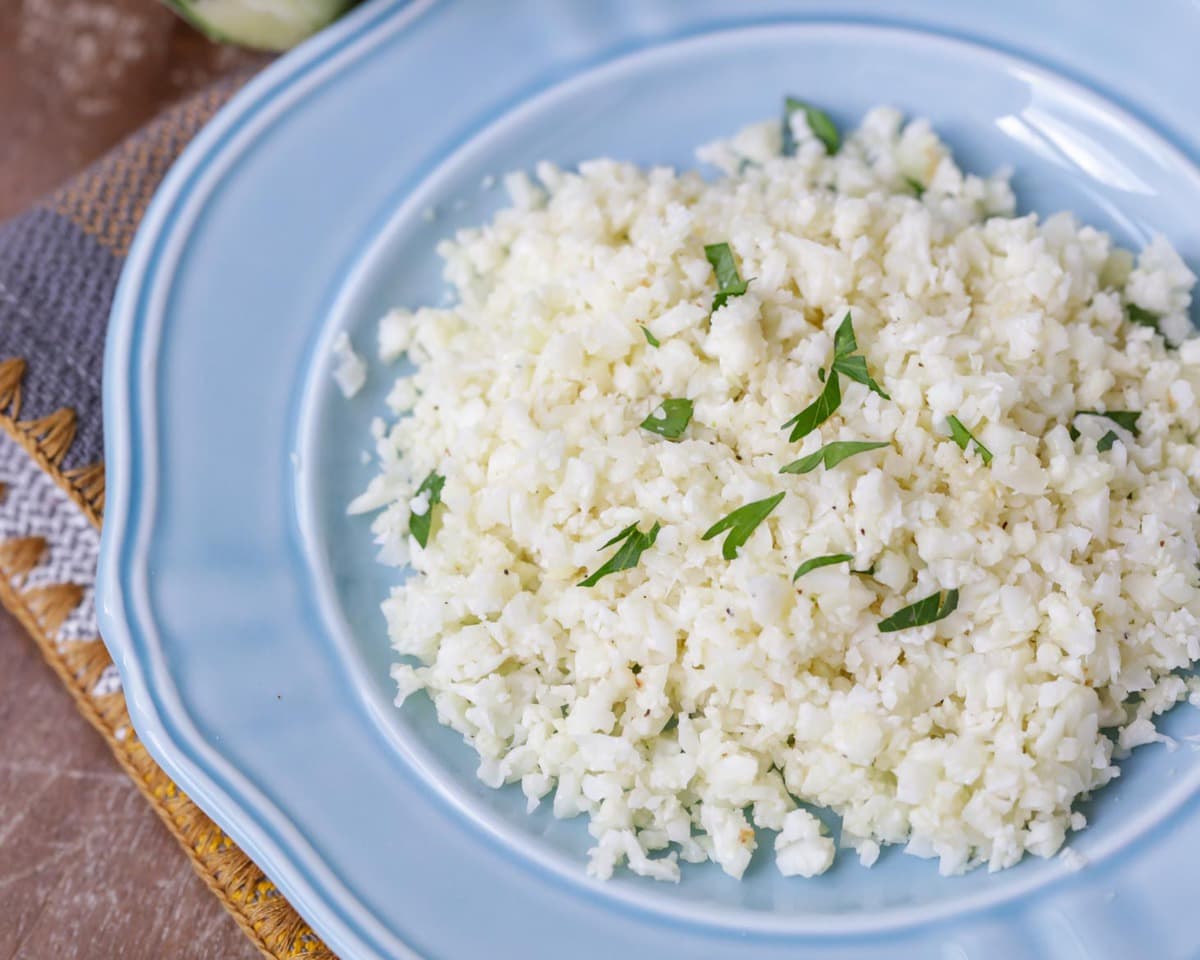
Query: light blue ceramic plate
(241,603)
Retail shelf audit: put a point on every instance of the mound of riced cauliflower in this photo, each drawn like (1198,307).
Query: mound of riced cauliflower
(688,704)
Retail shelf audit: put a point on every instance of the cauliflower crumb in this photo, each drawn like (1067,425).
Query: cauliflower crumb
(800,849)
(349,372)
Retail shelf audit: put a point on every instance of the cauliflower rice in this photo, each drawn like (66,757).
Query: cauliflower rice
(689,699)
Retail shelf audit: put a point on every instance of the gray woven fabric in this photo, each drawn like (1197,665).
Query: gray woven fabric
(56,285)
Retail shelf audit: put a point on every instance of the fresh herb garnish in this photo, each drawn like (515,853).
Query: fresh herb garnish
(819,122)
(831,455)
(419,524)
(676,414)
(1142,317)
(1126,419)
(636,543)
(854,367)
(844,340)
(1122,418)
(916,186)
(817,412)
(936,606)
(844,362)
(817,562)
(964,437)
(741,524)
(650,338)
(729,281)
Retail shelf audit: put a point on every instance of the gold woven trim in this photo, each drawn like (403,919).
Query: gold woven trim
(243,889)
(47,440)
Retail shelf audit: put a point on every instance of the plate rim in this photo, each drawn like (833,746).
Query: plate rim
(351,930)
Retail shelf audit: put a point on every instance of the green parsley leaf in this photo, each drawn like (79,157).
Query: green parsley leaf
(1105,443)
(729,281)
(740,524)
(677,413)
(1142,317)
(916,186)
(819,122)
(856,369)
(817,562)
(936,606)
(831,455)
(650,338)
(845,344)
(821,409)
(963,437)
(1127,419)
(636,543)
(817,412)
(419,524)
(844,341)
(619,537)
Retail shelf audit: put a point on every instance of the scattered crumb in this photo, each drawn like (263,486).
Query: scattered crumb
(350,372)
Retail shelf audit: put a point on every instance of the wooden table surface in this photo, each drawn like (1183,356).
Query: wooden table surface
(86,869)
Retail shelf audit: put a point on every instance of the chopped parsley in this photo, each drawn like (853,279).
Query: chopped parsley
(845,344)
(419,524)
(1126,419)
(676,414)
(1142,317)
(740,524)
(819,122)
(817,412)
(729,281)
(844,341)
(817,562)
(936,606)
(856,369)
(844,362)
(650,338)
(635,544)
(964,437)
(832,454)
(917,187)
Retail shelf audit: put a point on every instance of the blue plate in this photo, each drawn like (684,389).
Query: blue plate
(241,603)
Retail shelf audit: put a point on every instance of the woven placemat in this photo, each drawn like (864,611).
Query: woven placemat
(59,264)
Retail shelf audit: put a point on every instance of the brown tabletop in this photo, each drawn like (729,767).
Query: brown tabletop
(86,869)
